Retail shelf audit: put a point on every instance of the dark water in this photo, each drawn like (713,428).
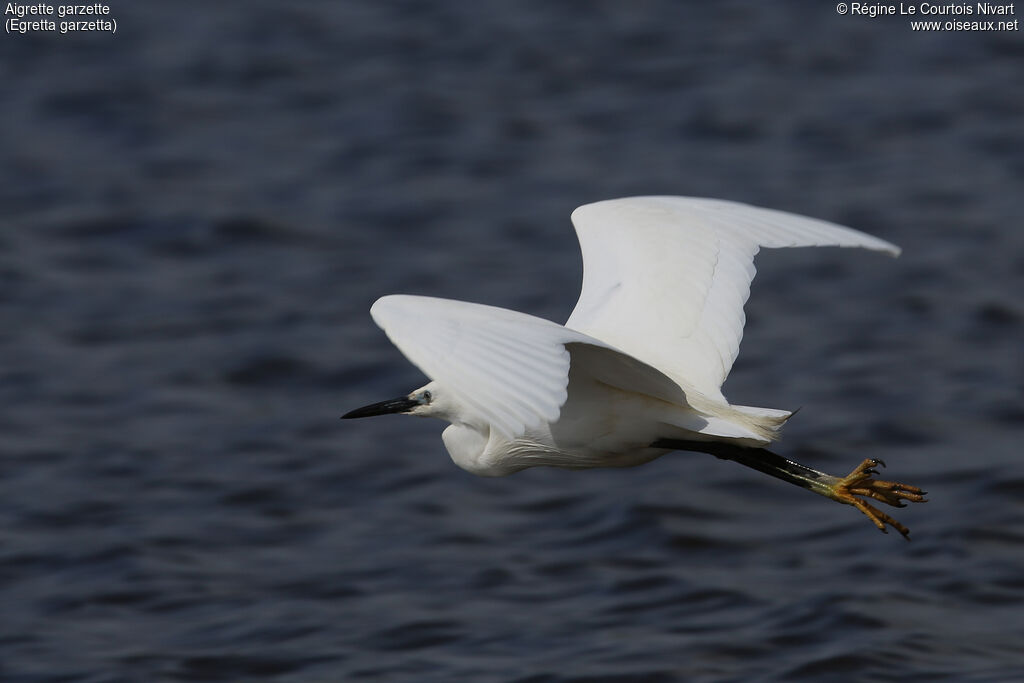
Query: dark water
(198,212)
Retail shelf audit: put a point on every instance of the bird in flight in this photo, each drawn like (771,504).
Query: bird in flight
(637,369)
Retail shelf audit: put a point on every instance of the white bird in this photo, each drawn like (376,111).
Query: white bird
(637,369)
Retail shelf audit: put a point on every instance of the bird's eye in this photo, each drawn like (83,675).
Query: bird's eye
(427,397)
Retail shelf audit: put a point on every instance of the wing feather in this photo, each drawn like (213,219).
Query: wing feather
(510,369)
(665,278)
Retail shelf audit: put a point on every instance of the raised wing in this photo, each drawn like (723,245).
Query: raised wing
(511,369)
(665,278)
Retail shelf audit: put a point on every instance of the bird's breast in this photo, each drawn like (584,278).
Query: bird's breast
(467,446)
(489,454)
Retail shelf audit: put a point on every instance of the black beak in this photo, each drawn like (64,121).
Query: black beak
(396,405)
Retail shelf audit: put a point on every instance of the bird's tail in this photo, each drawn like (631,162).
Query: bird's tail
(744,424)
(765,422)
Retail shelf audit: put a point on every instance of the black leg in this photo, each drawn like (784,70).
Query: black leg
(760,459)
(860,482)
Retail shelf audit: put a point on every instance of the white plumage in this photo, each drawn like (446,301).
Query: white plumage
(641,359)
(637,370)
(665,278)
(509,369)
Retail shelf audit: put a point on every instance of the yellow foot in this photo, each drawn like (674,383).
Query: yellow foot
(861,482)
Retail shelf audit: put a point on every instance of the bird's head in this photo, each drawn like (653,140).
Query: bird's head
(427,401)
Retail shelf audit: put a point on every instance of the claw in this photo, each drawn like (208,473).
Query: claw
(860,482)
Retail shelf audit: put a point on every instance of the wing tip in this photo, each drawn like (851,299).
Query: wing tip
(655,202)
(384,307)
(878,244)
(391,307)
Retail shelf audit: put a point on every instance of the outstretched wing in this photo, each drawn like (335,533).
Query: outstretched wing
(665,278)
(511,369)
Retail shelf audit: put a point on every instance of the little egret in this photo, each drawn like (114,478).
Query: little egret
(637,369)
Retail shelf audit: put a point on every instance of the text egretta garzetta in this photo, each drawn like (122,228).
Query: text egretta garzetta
(637,369)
